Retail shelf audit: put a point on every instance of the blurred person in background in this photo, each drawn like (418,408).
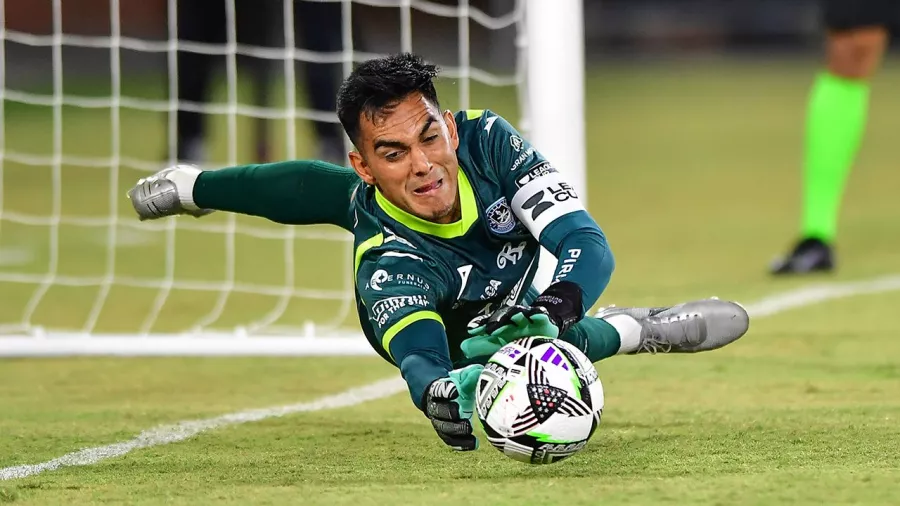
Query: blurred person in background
(317,28)
(856,38)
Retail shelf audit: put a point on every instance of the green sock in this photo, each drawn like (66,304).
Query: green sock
(836,119)
(595,337)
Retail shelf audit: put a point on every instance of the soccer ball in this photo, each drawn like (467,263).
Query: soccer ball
(539,400)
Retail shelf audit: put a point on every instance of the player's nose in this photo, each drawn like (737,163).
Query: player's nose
(421,165)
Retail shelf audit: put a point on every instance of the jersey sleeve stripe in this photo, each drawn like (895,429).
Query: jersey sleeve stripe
(372,242)
(404,322)
(474,113)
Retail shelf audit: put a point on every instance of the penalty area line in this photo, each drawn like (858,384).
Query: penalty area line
(172,433)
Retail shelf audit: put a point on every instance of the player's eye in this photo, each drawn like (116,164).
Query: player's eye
(393,156)
(431,138)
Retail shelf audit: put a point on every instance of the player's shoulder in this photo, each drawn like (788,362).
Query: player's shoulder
(480,122)
(484,139)
(378,247)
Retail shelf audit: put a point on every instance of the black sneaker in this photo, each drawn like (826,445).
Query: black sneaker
(808,256)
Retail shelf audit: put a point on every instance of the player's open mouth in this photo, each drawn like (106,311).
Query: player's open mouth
(429,188)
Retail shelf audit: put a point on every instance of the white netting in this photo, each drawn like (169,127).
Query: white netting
(87,111)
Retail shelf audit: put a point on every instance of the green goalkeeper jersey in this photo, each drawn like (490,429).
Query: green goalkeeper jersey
(424,284)
(512,200)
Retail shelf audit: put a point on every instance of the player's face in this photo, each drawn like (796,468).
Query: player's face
(409,153)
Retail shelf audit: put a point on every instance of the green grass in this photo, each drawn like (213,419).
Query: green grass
(800,411)
(694,177)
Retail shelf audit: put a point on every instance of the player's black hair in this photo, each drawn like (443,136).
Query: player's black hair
(378,85)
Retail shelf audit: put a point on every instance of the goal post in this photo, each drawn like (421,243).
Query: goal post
(80,275)
(554,37)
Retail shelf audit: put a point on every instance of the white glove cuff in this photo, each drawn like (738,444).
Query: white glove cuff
(184,177)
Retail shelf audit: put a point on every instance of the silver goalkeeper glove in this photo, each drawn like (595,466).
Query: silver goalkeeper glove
(169,192)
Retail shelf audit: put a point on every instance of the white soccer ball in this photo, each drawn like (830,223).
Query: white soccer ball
(539,400)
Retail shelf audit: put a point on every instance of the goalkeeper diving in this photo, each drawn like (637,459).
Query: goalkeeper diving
(448,212)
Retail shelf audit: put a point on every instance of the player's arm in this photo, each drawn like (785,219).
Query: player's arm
(401,294)
(446,396)
(550,209)
(299,192)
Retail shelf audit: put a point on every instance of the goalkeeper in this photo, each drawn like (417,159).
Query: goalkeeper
(448,212)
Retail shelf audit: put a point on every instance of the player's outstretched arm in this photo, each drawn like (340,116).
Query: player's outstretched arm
(299,192)
(446,396)
(402,292)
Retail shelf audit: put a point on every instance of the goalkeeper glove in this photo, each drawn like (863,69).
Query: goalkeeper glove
(169,192)
(449,403)
(550,315)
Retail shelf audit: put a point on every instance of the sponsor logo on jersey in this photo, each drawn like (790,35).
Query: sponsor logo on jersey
(521,159)
(412,280)
(510,254)
(548,197)
(541,169)
(378,277)
(568,263)
(385,308)
(381,278)
(515,142)
(500,217)
(490,291)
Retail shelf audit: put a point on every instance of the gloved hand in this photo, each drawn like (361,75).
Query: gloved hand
(551,315)
(449,403)
(169,192)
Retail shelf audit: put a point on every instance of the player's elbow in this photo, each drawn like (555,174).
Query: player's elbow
(592,241)
(603,261)
(607,263)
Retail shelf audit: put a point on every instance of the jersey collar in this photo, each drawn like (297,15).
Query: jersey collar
(458,228)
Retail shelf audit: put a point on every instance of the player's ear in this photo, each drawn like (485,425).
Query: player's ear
(451,129)
(361,167)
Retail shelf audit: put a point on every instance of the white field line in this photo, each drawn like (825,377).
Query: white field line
(180,431)
(165,434)
(823,292)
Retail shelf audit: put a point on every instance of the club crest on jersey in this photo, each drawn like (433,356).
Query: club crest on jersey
(500,217)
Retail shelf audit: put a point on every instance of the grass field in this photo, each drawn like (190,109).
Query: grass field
(693,176)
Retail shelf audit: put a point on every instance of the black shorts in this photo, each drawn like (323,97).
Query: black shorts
(848,14)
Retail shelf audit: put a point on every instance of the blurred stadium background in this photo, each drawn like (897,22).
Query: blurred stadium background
(694,116)
(671,87)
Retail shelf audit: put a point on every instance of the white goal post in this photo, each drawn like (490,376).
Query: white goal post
(79,275)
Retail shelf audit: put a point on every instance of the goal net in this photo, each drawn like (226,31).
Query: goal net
(97,94)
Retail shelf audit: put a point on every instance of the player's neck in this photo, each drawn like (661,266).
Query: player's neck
(453,216)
